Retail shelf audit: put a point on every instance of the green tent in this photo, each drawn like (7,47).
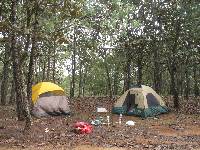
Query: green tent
(141,101)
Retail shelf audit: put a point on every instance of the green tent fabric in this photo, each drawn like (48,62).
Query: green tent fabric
(143,102)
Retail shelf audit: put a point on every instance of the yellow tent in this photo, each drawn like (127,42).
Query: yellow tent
(43,87)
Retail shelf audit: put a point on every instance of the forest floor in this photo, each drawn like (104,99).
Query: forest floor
(168,131)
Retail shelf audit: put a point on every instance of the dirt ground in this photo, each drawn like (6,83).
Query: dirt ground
(82,147)
(168,131)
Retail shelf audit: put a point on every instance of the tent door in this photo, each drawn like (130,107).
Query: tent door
(129,102)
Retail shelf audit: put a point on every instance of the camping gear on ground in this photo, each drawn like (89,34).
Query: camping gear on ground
(108,120)
(101,109)
(82,128)
(120,119)
(97,121)
(100,121)
(49,99)
(141,101)
(130,123)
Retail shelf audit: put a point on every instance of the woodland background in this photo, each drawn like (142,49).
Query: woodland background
(99,48)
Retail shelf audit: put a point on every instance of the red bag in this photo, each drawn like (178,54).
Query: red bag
(82,127)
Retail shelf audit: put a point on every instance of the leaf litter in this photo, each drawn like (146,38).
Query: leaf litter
(169,131)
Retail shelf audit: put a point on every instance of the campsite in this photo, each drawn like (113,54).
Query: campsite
(169,131)
(100,74)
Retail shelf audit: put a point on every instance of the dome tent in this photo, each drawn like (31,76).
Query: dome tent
(49,99)
(140,101)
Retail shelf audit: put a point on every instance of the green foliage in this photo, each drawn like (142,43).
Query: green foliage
(109,36)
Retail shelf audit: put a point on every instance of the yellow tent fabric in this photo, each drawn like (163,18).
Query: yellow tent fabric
(43,87)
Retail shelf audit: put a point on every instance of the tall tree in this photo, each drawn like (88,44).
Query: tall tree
(33,51)
(6,58)
(23,111)
(72,85)
(5,80)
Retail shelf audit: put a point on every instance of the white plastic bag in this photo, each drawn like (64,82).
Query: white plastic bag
(130,123)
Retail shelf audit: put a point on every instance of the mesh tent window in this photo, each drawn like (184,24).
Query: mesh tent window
(152,100)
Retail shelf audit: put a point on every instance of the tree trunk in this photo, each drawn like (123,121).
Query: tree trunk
(80,80)
(28,20)
(44,70)
(48,64)
(172,71)
(187,87)
(180,79)
(5,79)
(157,72)
(139,72)
(15,63)
(196,87)
(116,81)
(127,71)
(36,71)
(54,63)
(31,60)
(108,80)
(84,80)
(155,46)
(23,111)
(109,84)
(173,67)
(12,95)
(72,87)
(6,64)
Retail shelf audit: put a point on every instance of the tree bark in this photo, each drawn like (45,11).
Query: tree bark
(127,70)
(5,79)
(84,81)
(12,95)
(174,90)
(116,81)
(72,87)
(19,95)
(44,70)
(6,65)
(54,62)
(23,111)
(196,88)
(139,62)
(172,66)
(109,84)
(48,65)
(31,59)
(139,72)
(28,14)
(108,80)
(187,87)
(36,76)
(157,71)
(80,79)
